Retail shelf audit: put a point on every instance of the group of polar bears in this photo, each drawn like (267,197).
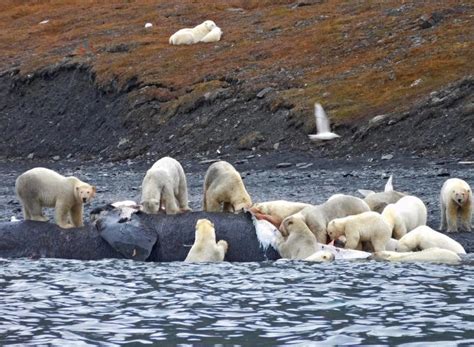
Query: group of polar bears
(390,224)
(207,31)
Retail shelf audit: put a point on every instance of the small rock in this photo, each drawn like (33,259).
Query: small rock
(56,157)
(378,119)
(208,161)
(443,173)
(30,156)
(46,21)
(370,160)
(305,166)
(415,83)
(264,92)
(241,161)
(69,156)
(251,140)
(276,145)
(427,21)
(387,157)
(148,25)
(250,156)
(282,165)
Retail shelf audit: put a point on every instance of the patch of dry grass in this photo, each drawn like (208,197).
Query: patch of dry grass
(352,56)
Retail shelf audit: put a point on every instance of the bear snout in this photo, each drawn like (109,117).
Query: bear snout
(84,199)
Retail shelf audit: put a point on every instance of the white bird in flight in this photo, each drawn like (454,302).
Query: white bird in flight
(322,125)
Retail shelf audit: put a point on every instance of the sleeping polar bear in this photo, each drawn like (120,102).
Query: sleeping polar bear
(213,36)
(405,215)
(424,237)
(189,36)
(434,255)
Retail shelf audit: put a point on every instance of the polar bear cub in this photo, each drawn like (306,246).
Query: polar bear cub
(434,255)
(205,248)
(363,227)
(41,187)
(164,187)
(424,237)
(295,240)
(224,189)
(455,201)
(405,215)
(189,36)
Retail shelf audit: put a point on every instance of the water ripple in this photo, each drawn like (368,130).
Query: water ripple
(113,302)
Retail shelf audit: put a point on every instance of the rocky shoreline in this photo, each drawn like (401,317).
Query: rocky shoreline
(280,176)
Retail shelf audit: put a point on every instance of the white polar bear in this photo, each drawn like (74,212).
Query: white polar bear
(321,256)
(296,241)
(317,217)
(363,227)
(224,189)
(213,36)
(41,187)
(405,215)
(277,210)
(205,248)
(164,187)
(434,255)
(455,201)
(189,36)
(424,237)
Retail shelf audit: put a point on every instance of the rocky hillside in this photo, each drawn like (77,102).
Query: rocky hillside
(86,79)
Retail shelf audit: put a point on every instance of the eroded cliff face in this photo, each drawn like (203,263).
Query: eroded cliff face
(102,86)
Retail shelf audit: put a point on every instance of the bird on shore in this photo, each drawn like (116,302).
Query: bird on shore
(323,126)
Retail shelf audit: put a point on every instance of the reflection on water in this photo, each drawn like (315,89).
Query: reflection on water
(60,302)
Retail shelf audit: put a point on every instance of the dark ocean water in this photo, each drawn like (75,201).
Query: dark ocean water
(113,302)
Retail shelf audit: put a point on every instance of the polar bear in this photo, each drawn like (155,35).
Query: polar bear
(317,217)
(455,201)
(205,248)
(295,240)
(213,36)
(405,215)
(435,255)
(363,227)
(41,187)
(164,187)
(189,36)
(321,256)
(277,210)
(424,237)
(224,189)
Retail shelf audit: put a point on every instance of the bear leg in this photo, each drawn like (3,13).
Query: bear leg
(34,209)
(77,215)
(61,216)
(466,216)
(212,205)
(443,224)
(352,240)
(452,217)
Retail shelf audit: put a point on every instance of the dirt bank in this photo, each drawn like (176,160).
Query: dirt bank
(88,81)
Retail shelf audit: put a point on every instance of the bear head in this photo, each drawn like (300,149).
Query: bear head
(335,229)
(151,206)
(209,24)
(205,230)
(85,193)
(460,195)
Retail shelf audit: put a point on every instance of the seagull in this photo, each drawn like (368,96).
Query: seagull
(389,185)
(322,125)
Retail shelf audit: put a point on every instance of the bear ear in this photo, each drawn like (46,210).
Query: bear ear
(94,190)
